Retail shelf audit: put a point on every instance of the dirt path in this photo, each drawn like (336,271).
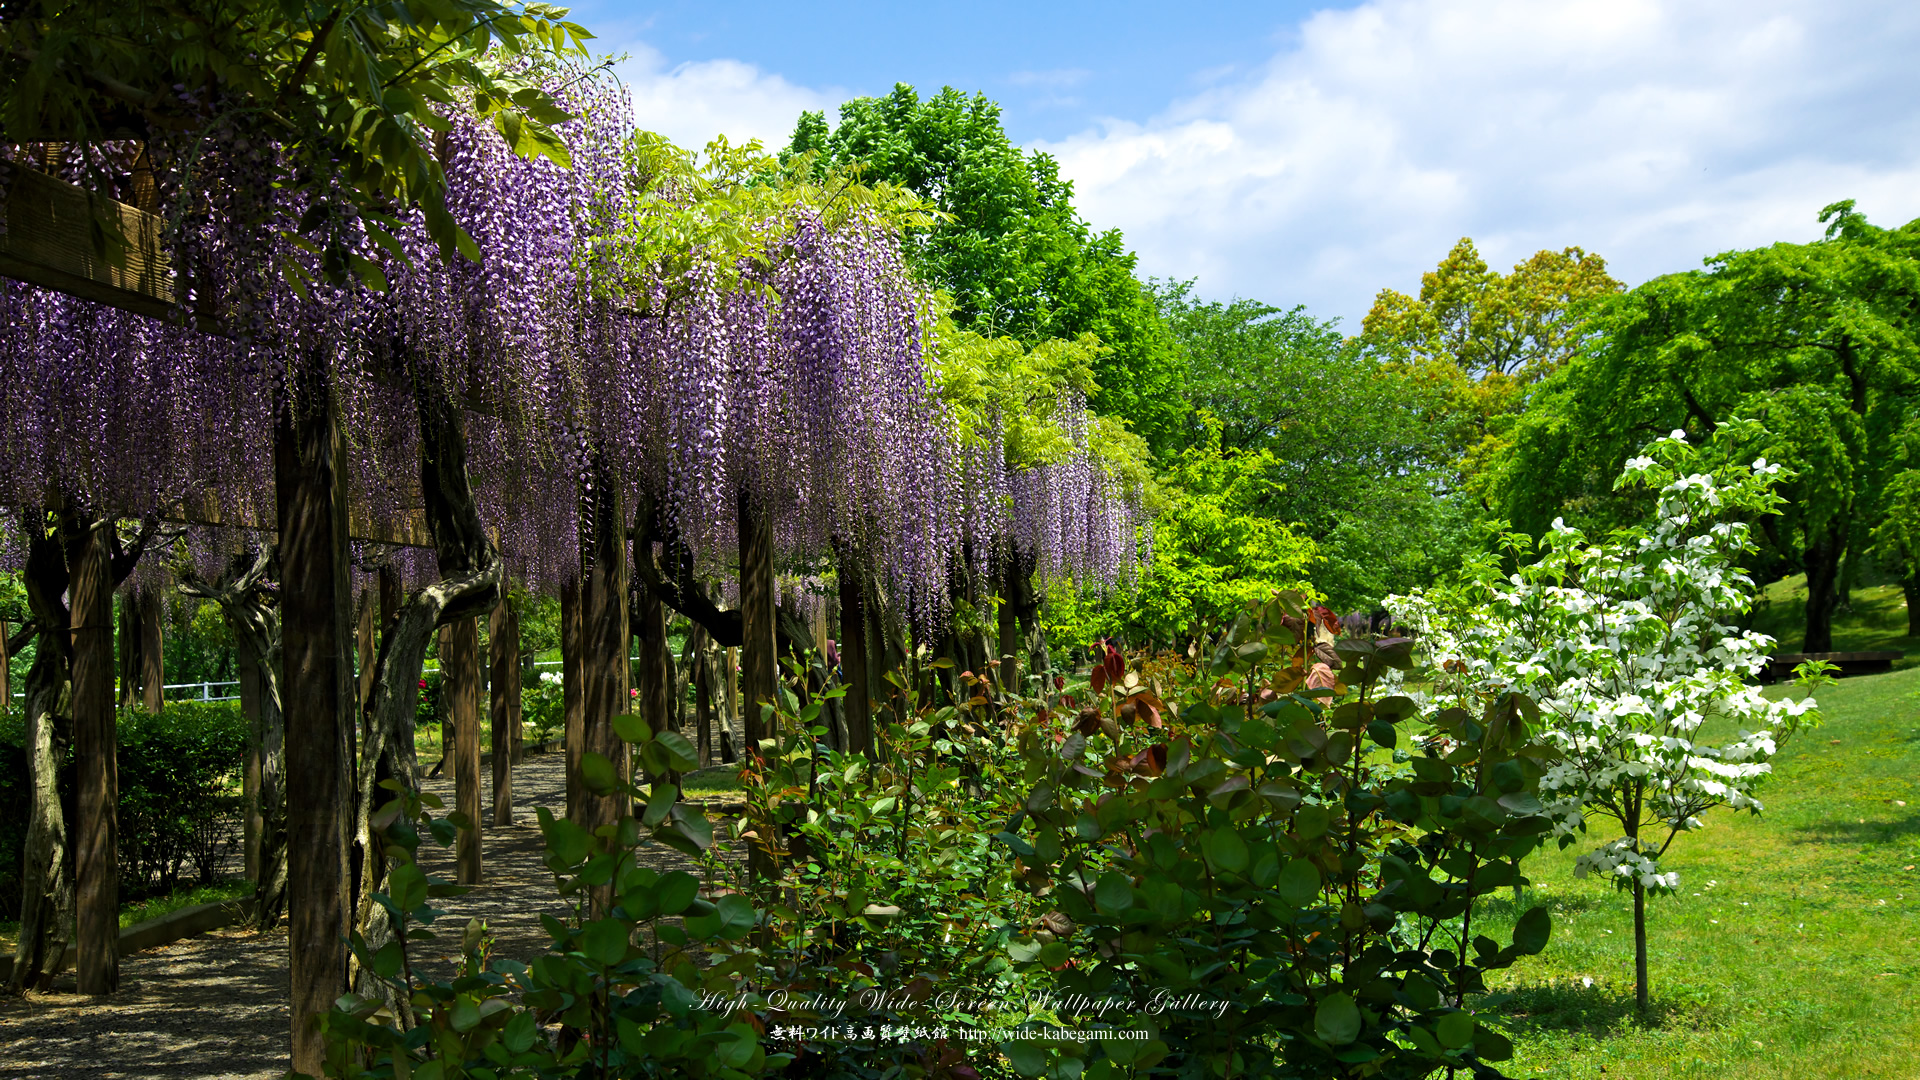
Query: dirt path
(214,1007)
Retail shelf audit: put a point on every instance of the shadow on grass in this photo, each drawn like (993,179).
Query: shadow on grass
(1501,906)
(1836,831)
(1601,1011)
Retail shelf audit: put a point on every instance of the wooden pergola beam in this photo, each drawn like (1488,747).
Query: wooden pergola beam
(67,238)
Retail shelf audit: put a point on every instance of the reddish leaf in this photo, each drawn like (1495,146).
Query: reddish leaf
(1099,678)
(1087,722)
(1149,762)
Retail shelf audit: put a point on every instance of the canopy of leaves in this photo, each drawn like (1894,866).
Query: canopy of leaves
(1214,550)
(1355,463)
(1814,340)
(355,90)
(1477,339)
(1010,250)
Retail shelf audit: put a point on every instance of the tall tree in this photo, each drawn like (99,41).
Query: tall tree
(1355,464)
(1817,341)
(1009,248)
(1479,339)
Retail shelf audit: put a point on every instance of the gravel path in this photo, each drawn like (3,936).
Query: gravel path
(214,1007)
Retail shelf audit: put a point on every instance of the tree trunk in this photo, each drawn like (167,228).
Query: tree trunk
(702,674)
(1910,587)
(460,676)
(1640,988)
(572,701)
(730,716)
(153,668)
(470,583)
(1007,632)
(364,644)
(853,656)
(96,860)
(604,637)
(46,872)
(250,768)
(503,684)
(317,644)
(758,667)
(655,667)
(1823,557)
(243,598)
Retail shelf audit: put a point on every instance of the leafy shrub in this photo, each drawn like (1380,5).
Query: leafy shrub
(542,709)
(180,794)
(1220,852)
(179,797)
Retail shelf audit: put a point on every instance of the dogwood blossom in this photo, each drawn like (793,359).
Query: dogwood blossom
(1644,686)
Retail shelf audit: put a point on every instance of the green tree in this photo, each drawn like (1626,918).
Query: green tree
(1479,340)
(1010,250)
(1354,463)
(1214,550)
(1814,340)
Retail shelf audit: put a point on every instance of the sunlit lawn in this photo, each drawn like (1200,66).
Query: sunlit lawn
(1793,949)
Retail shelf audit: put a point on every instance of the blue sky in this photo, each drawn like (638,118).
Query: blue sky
(1055,68)
(1307,153)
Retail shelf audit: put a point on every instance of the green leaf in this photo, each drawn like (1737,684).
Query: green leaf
(1454,1030)
(1113,893)
(1312,821)
(520,1032)
(1027,1056)
(1226,850)
(597,774)
(1299,882)
(605,941)
(389,960)
(1490,1045)
(676,891)
(632,728)
(1337,1020)
(407,884)
(682,757)
(736,915)
(659,804)
(1531,933)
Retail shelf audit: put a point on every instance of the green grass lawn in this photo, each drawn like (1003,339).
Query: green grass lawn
(1793,948)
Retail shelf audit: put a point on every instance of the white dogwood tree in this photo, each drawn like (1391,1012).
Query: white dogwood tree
(1644,685)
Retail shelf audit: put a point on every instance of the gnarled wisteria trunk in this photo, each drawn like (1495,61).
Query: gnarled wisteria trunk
(246,597)
(46,872)
(470,584)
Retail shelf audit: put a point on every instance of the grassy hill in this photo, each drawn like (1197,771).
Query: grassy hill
(1876,618)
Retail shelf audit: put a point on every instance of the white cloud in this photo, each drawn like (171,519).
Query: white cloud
(1652,133)
(690,103)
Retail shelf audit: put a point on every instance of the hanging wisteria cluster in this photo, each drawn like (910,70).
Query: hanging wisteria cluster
(797,385)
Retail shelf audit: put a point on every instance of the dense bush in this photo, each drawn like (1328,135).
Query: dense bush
(180,794)
(179,797)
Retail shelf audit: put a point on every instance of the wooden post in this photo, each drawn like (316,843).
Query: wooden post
(604,636)
(251,822)
(759,672)
(729,751)
(853,657)
(153,669)
(460,681)
(503,684)
(96,831)
(6,672)
(129,639)
(364,645)
(572,701)
(656,665)
(318,692)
